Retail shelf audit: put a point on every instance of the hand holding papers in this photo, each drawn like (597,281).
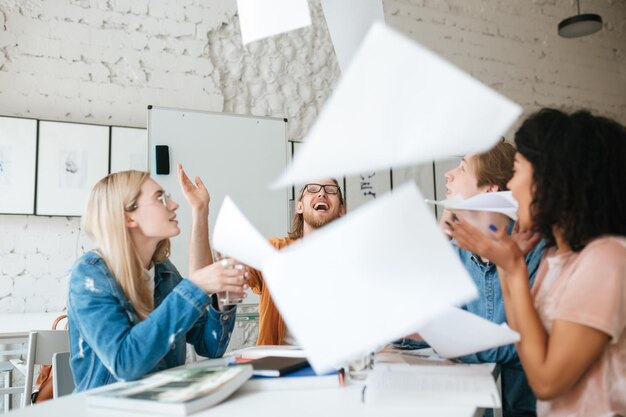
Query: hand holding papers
(263,18)
(457,332)
(343,291)
(399,104)
(498,202)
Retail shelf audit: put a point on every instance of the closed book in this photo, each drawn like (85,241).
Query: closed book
(304,378)
(176,392)
(275,366)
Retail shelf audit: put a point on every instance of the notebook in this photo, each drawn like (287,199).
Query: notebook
(277,366)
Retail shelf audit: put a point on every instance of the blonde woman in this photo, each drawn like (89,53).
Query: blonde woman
(130,311)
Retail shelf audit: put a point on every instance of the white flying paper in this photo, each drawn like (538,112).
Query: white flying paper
(236,234)
(497,202)
(362,280)
(457,332)
(348,22)
(263,18)
(399,104)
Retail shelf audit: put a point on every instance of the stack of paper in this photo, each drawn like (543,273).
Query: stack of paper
(471,385)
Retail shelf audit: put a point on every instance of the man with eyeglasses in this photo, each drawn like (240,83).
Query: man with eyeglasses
(319,203)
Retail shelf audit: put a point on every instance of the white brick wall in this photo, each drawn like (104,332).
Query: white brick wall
(513,46)
(104,61)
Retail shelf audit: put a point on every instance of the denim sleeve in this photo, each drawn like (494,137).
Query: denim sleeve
(129,350)
(211,333)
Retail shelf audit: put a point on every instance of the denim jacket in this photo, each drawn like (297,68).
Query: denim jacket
(109,344)
(517,397)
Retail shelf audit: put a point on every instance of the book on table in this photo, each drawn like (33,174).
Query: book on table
(304,378)
(459,384)
(275,366)
(177,392)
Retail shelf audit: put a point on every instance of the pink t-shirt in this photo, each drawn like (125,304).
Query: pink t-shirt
(588,288)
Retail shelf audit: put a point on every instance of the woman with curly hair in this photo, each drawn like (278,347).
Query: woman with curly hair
(570,182)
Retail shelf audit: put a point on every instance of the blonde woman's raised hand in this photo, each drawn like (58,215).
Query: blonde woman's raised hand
(196,194)
(221,276)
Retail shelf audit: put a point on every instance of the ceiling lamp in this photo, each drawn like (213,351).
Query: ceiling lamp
(580,25)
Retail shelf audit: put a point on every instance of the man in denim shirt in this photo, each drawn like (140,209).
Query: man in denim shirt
(489,172)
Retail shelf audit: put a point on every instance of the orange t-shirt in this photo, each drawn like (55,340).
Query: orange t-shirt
(588,288)
(271,325)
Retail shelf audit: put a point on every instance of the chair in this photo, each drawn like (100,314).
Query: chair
(8,350)
(62,379)
(42,345)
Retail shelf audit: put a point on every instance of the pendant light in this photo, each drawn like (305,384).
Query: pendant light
(580,25)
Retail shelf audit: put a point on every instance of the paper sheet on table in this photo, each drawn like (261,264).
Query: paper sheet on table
(399,104)
(260,19)
(363,280)
(498,202)
(348,22)
(457,332)
(236,234)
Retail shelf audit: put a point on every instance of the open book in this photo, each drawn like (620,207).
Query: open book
(458,384)
(174,392)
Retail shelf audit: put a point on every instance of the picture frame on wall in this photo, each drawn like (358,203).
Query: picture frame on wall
(18,156)
(72,158)
(129,149)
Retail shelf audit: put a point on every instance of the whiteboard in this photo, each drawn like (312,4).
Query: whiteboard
(234,155)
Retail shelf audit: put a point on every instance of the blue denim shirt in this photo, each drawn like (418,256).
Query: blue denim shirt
(517,397)
(109,344)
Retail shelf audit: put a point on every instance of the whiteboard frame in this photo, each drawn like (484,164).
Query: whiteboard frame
(190,134)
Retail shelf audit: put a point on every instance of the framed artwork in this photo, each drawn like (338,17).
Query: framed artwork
(129,149)
(365,187)
(72,158)
(18,156)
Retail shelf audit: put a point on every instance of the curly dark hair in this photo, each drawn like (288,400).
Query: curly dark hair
(579,164)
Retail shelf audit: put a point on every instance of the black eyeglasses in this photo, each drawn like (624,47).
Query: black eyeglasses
(328,188)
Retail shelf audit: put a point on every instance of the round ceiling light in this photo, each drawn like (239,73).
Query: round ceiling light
(580,25)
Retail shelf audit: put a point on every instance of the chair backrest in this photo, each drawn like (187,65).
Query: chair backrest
(42,344)
(62,379)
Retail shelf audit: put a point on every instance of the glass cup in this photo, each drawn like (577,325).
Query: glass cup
(227,297)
